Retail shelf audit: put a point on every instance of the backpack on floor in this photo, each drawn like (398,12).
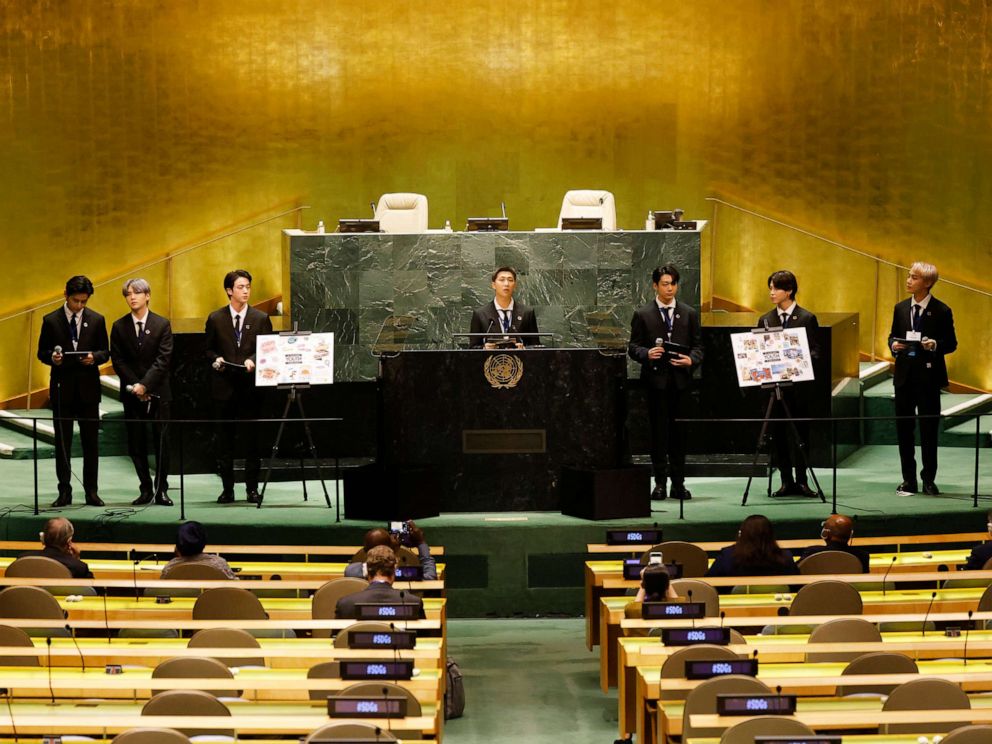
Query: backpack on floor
(454,694)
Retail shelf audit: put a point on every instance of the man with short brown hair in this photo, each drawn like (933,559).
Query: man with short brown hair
(381,563)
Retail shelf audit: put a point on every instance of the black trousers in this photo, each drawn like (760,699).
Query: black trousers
(65,412)
(667,438)
(916,398)
(789,458)
(243,408)
(155,415)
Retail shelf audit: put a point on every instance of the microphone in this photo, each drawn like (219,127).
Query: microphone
(217,365)
(689,595)
(372,204)
(502,208)
(51,690)
(723,614)
(967,628)
(886,575)
(130,389)
(10,712)
(57,350)
(106,618)
(82,659)
(923,629)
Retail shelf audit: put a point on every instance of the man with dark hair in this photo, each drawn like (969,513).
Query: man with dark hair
(73,342)
(57,539)
(231,335)
(141,349)
(922,334)
(381,562)
(981,554)
(503,315)
(191,540)
(666,375)
(404,555)
(789,454)
(837,531)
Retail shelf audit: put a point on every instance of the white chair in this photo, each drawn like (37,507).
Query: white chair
(402,213)
(590,203)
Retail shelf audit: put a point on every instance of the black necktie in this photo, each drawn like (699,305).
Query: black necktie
(668,319)
(237,330)
(141,332)
(73,330)
(785,319)
(506,320)
(916,317)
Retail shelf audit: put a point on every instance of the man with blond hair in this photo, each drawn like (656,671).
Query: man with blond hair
(922,335)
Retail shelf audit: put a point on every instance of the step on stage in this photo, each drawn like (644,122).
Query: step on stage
(508,563)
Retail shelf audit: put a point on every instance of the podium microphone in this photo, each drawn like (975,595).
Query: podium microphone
(689,595)
(51,690)
(82,659)
(923,629)
(886,575)
(372,204)
(967,628)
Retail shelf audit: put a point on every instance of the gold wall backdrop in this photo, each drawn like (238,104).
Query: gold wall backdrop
(130,129)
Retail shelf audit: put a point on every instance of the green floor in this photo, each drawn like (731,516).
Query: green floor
(529,681)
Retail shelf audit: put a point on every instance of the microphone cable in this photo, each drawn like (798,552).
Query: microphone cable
(10,712)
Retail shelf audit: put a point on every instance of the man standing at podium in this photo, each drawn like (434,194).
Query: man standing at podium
(782,289)
(666,374)
(922,333)
(231,333)
(503,315)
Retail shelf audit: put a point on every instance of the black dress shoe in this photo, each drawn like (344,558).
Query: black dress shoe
(93,499)
(162,499)
(803,489)
(64,499)
(145,497)
(930,489)
(253,497)
(786,489)
(226,498)
(660,492)
(907,487)
(681,493)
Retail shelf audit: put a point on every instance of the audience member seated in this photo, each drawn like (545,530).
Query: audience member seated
(57,539)
(380,536)
(837,532)
(980,554)
(381,562)
(656,586)
(756,553)
(191,539)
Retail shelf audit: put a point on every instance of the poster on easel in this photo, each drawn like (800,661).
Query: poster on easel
(763,357)
(294,359)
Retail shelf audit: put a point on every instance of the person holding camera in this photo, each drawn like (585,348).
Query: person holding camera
(403,543)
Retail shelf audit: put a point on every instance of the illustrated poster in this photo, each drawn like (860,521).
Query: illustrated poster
(294,359)
(772,356)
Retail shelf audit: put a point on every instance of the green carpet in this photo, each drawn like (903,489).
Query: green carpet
(529,681)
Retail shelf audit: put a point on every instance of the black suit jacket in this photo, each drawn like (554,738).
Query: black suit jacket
(485,319)
(377,592)
(980,555)
(859,553)
(648,325)
(220,343)
(74,380)
(937,322)
(799,318)
(147,364)
(77,568)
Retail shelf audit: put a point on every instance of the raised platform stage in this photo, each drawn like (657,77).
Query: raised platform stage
(512,563)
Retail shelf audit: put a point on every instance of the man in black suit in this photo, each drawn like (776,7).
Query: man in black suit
(57,539)
(381,563)
(73,342)
(503,315)
(782,289)
(837,530)
(981,554)
(231,334)
(666,374)
(922,334)
(141,349)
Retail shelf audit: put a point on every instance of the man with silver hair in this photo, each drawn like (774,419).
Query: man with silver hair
(922,335)
(141,349)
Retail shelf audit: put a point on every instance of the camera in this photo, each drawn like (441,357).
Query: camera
(401,530)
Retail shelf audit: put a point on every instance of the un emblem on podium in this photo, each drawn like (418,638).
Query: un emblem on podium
(503,370)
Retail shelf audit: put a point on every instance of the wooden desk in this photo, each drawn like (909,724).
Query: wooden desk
(345,552)
(848,739)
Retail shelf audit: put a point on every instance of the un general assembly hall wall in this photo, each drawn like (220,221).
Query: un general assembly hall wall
(176,139)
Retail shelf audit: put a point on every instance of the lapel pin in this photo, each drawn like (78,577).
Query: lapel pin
(677,316)
(86,325)
(247,326)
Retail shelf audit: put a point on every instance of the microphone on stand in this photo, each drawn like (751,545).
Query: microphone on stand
(689,595)
(372,204)
(51,690)
(106,617)
(134,568)
(886,575)
(82,659)
(967,628)
(933,596)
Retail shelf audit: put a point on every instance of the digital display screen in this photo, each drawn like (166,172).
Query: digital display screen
(690,636)
(751,705)
(369,611)
(633,536)
(377,669)
(632,568)
(391,639)
(703,669)
(799,739)
(409,573)
(669,610)
(366,707)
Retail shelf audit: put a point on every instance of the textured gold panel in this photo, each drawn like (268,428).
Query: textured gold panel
(131,128)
